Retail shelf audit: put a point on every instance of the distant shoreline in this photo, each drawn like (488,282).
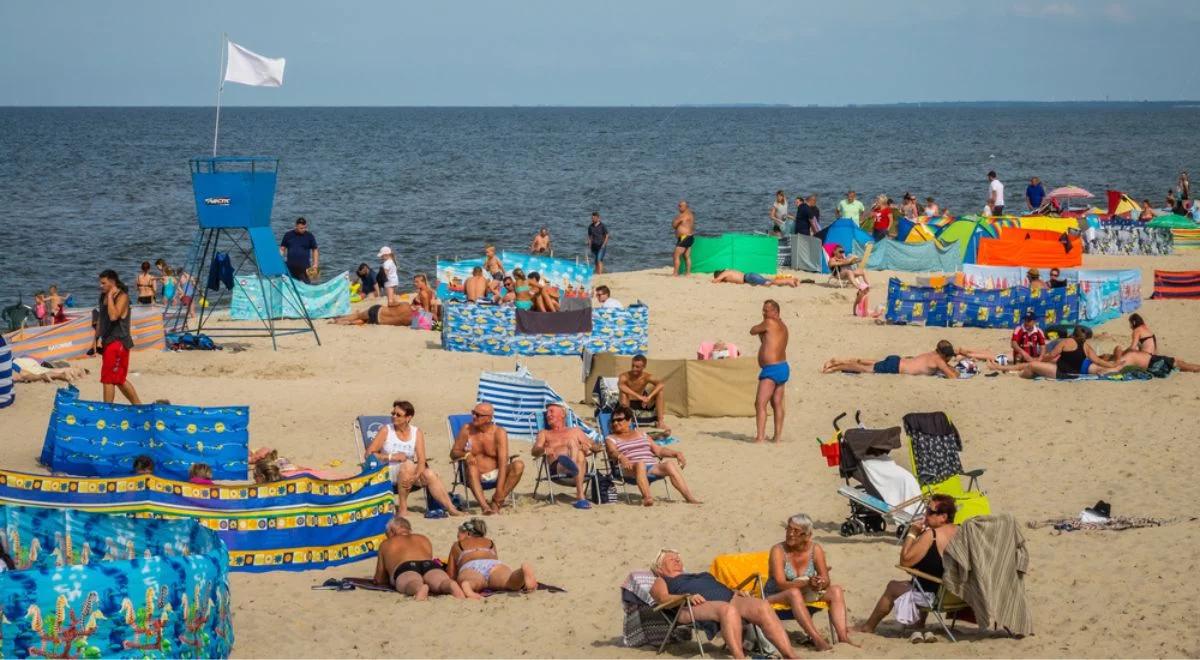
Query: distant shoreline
(766,106)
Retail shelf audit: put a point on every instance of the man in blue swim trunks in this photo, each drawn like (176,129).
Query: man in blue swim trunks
(774,372)
(754,279)
(937,361)
(566,450)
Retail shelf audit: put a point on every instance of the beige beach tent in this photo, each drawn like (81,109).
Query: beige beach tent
(694,388)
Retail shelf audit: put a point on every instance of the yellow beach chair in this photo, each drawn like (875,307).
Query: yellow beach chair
(747,572)
(934,445)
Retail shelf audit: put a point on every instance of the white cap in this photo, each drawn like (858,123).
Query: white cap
(384,251)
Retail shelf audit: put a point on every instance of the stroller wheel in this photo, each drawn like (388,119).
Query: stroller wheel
(859,527)
(847,529)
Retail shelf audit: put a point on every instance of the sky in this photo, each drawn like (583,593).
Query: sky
(605,53)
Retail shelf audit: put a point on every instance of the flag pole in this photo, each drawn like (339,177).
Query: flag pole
(220,87)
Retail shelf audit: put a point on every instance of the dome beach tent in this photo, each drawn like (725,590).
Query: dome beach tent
(965,233)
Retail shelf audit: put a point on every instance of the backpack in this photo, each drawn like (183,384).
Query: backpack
(601,489)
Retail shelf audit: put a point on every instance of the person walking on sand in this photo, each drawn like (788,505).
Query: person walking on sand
(684,225)
(597,240)
(774,370)
(113,335)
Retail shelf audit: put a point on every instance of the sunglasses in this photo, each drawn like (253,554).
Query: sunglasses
(399,414)
(620,419)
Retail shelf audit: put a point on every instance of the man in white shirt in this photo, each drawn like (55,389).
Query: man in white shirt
(995,194)
(604,297)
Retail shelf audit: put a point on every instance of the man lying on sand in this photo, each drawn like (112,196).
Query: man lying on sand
(754,279)
(398,314)
(406,564)
(937,361)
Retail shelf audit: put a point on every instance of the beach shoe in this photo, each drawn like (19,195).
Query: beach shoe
(930,638)
(582,504)
(916,637)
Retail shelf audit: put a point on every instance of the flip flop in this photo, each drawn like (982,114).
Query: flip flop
(582,504)
(916,637)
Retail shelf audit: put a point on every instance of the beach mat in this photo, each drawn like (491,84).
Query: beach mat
(368,584)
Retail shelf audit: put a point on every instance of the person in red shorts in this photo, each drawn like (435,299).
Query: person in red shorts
(114,338)
(1028,340)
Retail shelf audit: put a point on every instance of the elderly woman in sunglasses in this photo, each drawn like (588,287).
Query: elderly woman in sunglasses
(712,601)
(922,550)
(799,574)
(640,459)
(401,445)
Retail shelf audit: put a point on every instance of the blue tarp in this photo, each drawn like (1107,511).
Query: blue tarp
(1104,294)
(915,257)
(562,273)
(91,585)
(95,439)
(951,305)
(322,301)
(846,233)
(492,329)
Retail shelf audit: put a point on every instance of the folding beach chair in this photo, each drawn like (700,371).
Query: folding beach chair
(748,572)
(647,622)
(934,445)
(455,424)
(365,427)
(604,421)
(941,603)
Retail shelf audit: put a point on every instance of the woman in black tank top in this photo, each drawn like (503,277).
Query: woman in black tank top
(921,551)
(1070,358)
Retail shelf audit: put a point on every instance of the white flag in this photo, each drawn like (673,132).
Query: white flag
(249,68)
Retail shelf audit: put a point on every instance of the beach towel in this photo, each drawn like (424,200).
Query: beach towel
(320,301)
(986,563)
(893,482)
(529,322)
(1183,284)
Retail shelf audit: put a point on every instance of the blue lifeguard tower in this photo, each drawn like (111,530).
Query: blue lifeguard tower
(234,196)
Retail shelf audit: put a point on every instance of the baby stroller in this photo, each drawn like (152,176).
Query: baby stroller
(858,454)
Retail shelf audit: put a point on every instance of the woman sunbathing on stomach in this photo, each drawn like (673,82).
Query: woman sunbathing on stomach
(475,564)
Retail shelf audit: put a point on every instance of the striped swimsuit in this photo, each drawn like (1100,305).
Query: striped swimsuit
(637,450)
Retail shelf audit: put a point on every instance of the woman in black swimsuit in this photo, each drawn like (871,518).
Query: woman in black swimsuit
(1142,338)
(1143,352)
(1070,358)
(922,550)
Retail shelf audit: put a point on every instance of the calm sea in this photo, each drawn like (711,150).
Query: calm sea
(83,189)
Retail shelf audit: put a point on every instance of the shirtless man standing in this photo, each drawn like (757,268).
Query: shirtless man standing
(476,286)
(932,363)
(684,225)
(405,562)
(565,449)
(541,242)
(484,445)
(773,370)
(399,314)
(640,390)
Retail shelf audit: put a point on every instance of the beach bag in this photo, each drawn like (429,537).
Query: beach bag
(601,489)
(605,394)
(421,320)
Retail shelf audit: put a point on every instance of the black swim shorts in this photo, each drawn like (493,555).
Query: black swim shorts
(888,365)
(685,242)
(373,314)
(420,567)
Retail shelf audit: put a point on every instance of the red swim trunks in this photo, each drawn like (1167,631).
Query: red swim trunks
(115,364)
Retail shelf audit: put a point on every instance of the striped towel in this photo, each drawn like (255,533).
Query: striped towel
(6,381)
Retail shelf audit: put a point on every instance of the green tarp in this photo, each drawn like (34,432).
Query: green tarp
(744,252)
(1172,222)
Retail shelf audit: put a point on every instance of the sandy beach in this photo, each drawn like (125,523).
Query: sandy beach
(1050,449)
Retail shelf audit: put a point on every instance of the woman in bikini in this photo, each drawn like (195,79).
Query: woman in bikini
(1143,352)
(145,285)
(922,550)
(402,447)
(475,564)
(522,292)
(799,574)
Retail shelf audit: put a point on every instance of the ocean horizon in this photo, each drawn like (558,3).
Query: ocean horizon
(88,188)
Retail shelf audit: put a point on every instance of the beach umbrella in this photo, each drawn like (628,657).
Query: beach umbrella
(1070,192)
